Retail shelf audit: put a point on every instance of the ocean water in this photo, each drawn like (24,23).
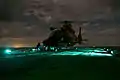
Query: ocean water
(81,63)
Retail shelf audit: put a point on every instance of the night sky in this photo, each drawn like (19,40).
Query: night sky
(25,22)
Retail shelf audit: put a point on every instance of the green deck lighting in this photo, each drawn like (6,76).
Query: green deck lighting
(8,51)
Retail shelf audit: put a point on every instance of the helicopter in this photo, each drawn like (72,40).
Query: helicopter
(63,37)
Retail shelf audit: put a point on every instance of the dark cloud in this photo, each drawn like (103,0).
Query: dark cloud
(115,4)
(31,18)
(4,11)
(10,10)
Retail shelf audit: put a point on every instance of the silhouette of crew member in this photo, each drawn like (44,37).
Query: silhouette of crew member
(38,45)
